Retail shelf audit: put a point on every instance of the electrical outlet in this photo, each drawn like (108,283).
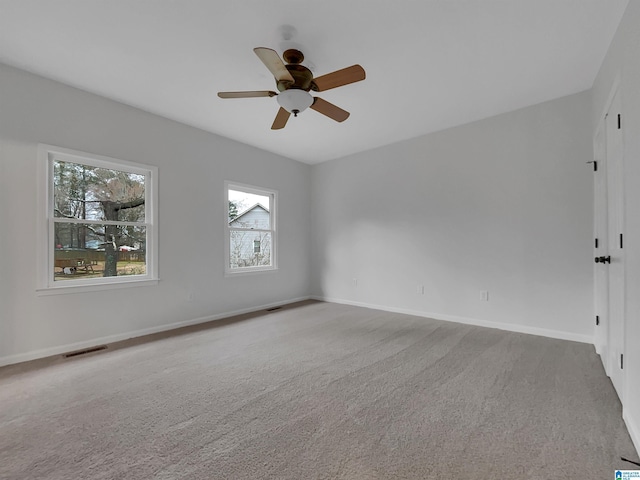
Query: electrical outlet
(420,289)
(484,296)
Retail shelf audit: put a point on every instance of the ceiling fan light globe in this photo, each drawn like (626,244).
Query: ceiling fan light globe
(295,100)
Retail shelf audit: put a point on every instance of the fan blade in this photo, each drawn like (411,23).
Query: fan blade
(281,119)
(352,74)
(329,109)
(272,61)
(248,94)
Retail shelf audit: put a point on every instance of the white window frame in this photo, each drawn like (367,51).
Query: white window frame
(47,155)
(273,209)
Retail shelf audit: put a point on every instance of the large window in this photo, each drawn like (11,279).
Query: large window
(100,220)
(251,228)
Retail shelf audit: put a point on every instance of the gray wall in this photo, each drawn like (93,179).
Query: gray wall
(502,205)
(193,166)
(622,64)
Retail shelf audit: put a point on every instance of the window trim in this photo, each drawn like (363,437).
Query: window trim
(46,284)
(273,213)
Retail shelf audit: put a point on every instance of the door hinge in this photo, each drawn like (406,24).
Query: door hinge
(595,165)
(597,320)
(622,361)
(618,121)
(596,243)
(620,240)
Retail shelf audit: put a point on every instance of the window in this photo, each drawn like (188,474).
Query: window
(100,221)
(251,229)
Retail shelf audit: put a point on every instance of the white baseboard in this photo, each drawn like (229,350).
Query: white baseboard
(543,332)
(57,350)
(634,429)
(60,349)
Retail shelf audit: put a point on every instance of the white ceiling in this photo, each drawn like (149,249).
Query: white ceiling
(430,64)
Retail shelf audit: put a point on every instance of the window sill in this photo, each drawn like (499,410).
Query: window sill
(249,271)
(66,289)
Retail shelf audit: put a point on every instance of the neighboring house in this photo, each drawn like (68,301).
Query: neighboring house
(256,216)
(250,244)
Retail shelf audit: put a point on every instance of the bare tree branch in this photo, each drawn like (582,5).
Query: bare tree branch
(130,204)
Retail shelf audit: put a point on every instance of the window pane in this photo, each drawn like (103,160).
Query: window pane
(247,210)
(93,193)
(249,249)
(92,251)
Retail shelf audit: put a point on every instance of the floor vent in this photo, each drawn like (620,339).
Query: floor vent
(273,309)
(85,351)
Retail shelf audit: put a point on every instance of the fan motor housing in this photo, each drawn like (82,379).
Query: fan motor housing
(302,77)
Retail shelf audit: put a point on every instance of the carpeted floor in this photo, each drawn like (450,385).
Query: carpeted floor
(316,391)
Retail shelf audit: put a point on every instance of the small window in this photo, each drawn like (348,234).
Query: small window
(100,220)
(251,232)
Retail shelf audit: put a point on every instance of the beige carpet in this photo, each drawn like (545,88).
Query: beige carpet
(316,391)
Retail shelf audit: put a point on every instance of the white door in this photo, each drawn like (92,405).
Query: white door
(601,246)
(614,168)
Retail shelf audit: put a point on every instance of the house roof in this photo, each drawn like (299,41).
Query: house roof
(250,209)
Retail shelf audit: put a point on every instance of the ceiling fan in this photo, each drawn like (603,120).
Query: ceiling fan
(294,81)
